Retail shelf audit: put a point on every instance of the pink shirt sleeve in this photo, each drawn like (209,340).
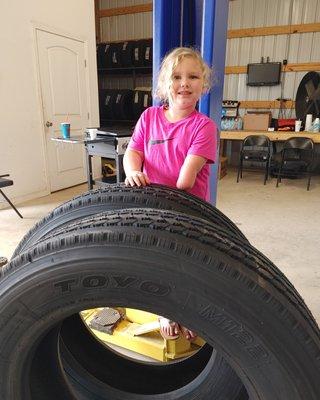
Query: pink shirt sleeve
(137,140)
(205,142)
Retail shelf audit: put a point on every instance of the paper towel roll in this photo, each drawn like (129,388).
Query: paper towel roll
(316,125)
(308,123)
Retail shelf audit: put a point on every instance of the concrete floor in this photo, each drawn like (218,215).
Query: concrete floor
(283,223)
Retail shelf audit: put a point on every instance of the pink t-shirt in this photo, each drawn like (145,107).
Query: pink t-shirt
(165,146)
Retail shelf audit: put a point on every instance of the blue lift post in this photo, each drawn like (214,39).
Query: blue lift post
(166,30)
(213,50)
(178,23)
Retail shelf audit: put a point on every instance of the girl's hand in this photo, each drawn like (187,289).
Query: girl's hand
(136,178)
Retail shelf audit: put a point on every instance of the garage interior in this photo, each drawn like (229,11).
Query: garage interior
(281,222)
(287,215)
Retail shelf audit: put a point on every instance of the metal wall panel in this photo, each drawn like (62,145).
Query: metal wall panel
(272,12)
(315,52)
(125,27)
(296,48)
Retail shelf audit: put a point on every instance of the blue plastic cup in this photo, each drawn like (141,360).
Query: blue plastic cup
(65,130)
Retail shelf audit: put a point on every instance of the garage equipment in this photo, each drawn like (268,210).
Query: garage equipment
(308,96)
(137,331)
(111,142)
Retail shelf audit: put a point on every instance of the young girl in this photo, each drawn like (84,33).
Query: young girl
(174,144)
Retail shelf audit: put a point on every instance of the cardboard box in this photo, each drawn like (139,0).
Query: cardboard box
(257,122)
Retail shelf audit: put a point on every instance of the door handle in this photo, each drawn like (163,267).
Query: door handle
(48,124)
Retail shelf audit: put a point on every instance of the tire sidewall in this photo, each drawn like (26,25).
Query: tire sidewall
(180,286)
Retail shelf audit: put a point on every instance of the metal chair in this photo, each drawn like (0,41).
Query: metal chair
(295,159)
(255,148)
(4,182)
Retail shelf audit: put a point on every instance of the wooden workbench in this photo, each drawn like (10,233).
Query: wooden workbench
(276,136)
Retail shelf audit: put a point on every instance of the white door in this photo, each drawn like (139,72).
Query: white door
(62,73)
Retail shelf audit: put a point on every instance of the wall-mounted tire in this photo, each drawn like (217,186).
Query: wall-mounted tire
(107,99)
(138,53)
(101,55)
(125,52)
(147,52)
(123,104)
(142,99)
(115,56)
(164,262)
(108,55)
(112,58)
(118,196)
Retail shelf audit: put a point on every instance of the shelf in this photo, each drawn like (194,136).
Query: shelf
(125,70)
(119,121)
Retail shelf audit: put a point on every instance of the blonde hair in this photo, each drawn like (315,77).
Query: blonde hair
(170,62)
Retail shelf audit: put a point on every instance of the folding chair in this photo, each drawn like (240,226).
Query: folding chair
(295,159)
(4,182)
(255,148)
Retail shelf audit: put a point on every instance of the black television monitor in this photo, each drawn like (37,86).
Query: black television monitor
(263,74)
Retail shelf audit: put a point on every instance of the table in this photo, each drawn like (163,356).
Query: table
(103,146)
(276,136)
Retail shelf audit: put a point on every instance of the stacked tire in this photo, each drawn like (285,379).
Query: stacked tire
(123,104)
(108,55)
(116,104)
(142,53)
(107,98)
(142,99)
(124,57)
(128,54)
(161,250)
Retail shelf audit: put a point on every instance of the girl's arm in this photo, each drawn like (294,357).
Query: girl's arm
(189,170)
(132,163)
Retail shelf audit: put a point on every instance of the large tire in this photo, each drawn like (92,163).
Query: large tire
(118,196)
(205,372)
(163,262)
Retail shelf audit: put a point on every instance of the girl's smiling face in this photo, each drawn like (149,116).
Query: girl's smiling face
(187,84)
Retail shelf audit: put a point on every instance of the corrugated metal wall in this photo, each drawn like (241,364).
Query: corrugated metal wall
(125,27)
(296,48)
